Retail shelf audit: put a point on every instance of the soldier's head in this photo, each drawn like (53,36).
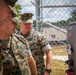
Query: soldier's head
(26,22)
(7,23)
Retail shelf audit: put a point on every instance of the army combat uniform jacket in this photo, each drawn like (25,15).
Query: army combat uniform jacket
(38,45)
(13,56)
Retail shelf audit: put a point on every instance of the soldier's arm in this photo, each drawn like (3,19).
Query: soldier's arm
(48,61)
(32,65)
(46,48)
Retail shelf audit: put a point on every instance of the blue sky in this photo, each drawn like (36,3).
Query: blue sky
(50,14)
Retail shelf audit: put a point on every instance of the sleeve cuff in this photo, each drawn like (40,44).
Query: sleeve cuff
(46,48)
(29,53)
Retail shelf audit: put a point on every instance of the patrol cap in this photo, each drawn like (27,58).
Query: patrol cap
(27,17)
(14,15)
(13,10)
(11,4)
(5,4)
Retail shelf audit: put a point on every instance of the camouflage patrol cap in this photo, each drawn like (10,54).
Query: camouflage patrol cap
(11,2)
(14,15)
(13,10)
(6,13)
(27,17)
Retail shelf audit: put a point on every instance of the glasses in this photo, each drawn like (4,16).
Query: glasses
(6,19)
(13,19)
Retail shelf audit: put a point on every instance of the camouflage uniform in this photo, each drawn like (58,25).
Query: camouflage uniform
(38,45)
(13,56)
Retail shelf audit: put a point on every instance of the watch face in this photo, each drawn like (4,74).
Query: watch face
(48,70)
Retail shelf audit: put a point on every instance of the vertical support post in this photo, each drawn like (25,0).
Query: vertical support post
(37,15)
(41,18)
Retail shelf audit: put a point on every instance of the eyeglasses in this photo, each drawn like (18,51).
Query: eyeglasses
(14,19)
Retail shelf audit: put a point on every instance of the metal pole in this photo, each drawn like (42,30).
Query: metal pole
(37,15)
(41,18)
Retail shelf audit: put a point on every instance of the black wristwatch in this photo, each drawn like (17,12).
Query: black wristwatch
(48,70)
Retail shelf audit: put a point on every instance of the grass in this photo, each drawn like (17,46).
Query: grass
(58,66)
(59,50)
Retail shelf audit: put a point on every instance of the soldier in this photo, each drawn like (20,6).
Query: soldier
(15,55)
(38,44)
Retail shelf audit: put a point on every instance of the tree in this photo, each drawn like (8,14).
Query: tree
(73,14)
(18,9)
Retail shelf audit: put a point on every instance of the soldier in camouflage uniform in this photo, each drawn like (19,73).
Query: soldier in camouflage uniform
(38,44)
(15,55)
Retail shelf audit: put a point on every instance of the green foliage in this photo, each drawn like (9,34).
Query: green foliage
(18,8)
(18,26)
(73,16)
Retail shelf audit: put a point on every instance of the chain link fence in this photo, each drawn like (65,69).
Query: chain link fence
(55,15)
